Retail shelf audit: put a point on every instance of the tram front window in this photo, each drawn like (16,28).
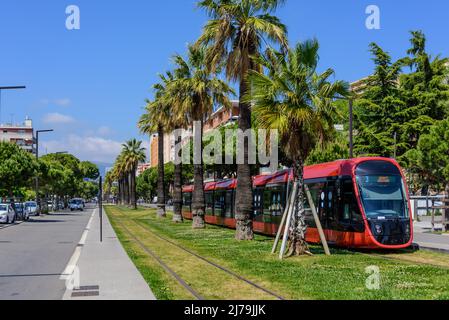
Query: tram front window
(383,196)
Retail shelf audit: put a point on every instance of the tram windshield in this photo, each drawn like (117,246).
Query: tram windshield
(383,196)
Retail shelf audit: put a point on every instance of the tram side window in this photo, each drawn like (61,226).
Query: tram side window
(209,203)
(219,203)
(317,191)
(267,202)
(187,201)
(277,201)
(350,211)
(229,205)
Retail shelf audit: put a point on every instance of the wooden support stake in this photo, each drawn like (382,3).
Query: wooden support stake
(289,221)
(317,221)
(290,202)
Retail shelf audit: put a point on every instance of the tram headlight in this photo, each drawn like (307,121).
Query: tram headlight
(378,228)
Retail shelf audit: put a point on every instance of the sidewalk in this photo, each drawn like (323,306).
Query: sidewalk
(105,270)
(428,240)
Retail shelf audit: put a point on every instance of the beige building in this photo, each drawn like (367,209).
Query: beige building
(220,117)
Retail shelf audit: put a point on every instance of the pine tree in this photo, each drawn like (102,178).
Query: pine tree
(377,112)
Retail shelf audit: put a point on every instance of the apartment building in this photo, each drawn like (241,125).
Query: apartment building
(20,134)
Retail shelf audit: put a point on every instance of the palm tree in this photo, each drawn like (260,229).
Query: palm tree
(154,121)
(123,181)
(133,154)
(300,103)
(176,121)
(195,91)
(235,34)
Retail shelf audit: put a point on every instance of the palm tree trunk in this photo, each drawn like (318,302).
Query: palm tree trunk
(244,192)
(126,179)
(133,188)
(161,175)
(177,192)
(298,245)
(130,188)
(120,192)
(198,199)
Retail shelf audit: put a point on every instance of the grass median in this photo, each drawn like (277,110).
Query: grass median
(339,277)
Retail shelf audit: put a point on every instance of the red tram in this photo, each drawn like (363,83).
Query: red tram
(362,203)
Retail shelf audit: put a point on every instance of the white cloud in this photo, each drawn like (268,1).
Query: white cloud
(61,102)
(90,148)
(64,102)
(57,118)
(104,131)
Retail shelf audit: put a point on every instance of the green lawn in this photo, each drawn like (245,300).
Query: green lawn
(341,276)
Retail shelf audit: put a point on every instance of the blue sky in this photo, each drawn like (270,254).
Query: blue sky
(90,84)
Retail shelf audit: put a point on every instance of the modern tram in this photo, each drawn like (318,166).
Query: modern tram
(362,203)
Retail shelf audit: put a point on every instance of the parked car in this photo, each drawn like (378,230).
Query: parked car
(21,213)
(7,214)
(31,208)
(76,205)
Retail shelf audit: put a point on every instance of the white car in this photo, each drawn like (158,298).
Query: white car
(7,214)
(31,208)
(76,204)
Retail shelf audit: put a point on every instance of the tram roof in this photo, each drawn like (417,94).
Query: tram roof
(331,169)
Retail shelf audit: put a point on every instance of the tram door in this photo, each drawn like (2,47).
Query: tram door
(209,197)
(330,213)
(349,215)
(258,205)
(274,206)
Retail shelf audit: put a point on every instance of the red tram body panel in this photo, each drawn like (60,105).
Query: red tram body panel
(361,203)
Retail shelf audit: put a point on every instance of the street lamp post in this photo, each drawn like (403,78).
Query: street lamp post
(37,177)
(351,129)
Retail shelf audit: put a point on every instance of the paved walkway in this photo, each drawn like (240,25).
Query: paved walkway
(428,240)
(105,270)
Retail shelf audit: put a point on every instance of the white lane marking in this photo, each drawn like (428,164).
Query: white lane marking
(70,268)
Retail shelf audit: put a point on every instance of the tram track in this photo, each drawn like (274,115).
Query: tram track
(163,264)
(197,256)
(230,272)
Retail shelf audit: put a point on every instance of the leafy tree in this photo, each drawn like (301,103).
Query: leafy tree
(432,156)
(88,189)
(378,112)
(63,175)
(295,99)
(89,170)
(336,149)
(396,108)
(17,168)
(425,91)
(147,181)
(236,33)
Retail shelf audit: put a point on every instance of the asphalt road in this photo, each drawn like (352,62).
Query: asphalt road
(33,255)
